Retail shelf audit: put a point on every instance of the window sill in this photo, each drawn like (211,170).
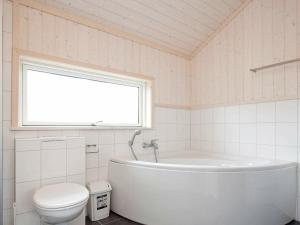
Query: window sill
(34,128)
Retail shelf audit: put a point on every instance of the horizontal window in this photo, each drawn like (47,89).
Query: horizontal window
(57,96)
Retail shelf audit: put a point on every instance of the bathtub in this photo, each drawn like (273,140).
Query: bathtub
(194,189)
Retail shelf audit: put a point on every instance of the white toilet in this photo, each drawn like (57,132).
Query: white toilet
(60,203)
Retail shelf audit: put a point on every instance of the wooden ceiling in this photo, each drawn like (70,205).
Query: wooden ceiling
(180,25)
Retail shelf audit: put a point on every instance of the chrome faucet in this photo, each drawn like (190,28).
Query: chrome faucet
(153,144)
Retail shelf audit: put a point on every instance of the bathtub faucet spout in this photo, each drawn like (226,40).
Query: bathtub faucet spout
(153,144)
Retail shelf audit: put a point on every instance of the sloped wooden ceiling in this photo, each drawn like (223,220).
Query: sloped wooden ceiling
(181,25)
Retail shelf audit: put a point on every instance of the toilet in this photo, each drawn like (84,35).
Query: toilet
(60,203)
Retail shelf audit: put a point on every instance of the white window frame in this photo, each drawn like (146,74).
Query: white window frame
(81,73)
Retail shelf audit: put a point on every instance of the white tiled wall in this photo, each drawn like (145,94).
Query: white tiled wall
(42,161)
(171,127)
(263,130)
(8,136)
(267,130)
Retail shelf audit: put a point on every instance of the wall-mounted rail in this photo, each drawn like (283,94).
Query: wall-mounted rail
(274,65)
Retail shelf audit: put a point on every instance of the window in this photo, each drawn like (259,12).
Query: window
(60,96)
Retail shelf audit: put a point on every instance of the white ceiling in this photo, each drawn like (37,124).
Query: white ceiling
(181,25)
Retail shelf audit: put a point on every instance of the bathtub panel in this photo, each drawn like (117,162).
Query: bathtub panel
(156,196)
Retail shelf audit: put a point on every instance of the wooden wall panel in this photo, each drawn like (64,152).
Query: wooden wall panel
(44,33)
(34,30)
(71,42)
(60,37)
(102,49)
(247,57)
(265,32)
(290,29)
(92,46)
(298,29)
(48,34)
(23,39)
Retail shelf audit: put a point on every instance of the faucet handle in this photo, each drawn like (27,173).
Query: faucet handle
(154,140)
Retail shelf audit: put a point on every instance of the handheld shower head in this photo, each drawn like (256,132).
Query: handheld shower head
(131,141)
(137,132)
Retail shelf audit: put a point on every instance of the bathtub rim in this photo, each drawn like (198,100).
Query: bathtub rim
(275,164)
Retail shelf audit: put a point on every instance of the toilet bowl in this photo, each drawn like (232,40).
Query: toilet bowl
(60,203)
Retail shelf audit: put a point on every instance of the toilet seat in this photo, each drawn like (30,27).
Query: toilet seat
(60,196)
(61,208)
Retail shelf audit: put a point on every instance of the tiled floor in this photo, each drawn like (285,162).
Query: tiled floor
(294,223)
(115,219)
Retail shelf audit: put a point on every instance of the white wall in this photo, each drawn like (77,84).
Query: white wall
(1,110)
(172,126)
(43,161)
(221,77)
(237,111)
(267,130)
(8,156)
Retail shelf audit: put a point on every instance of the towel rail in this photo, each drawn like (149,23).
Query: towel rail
(274,64)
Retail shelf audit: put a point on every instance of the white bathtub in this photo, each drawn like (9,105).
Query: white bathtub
(192,189)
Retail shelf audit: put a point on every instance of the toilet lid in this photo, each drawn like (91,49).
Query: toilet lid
(60,195)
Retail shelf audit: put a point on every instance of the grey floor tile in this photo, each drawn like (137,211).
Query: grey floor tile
(115,219)
(88,222)
(124,221)
(294,223)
